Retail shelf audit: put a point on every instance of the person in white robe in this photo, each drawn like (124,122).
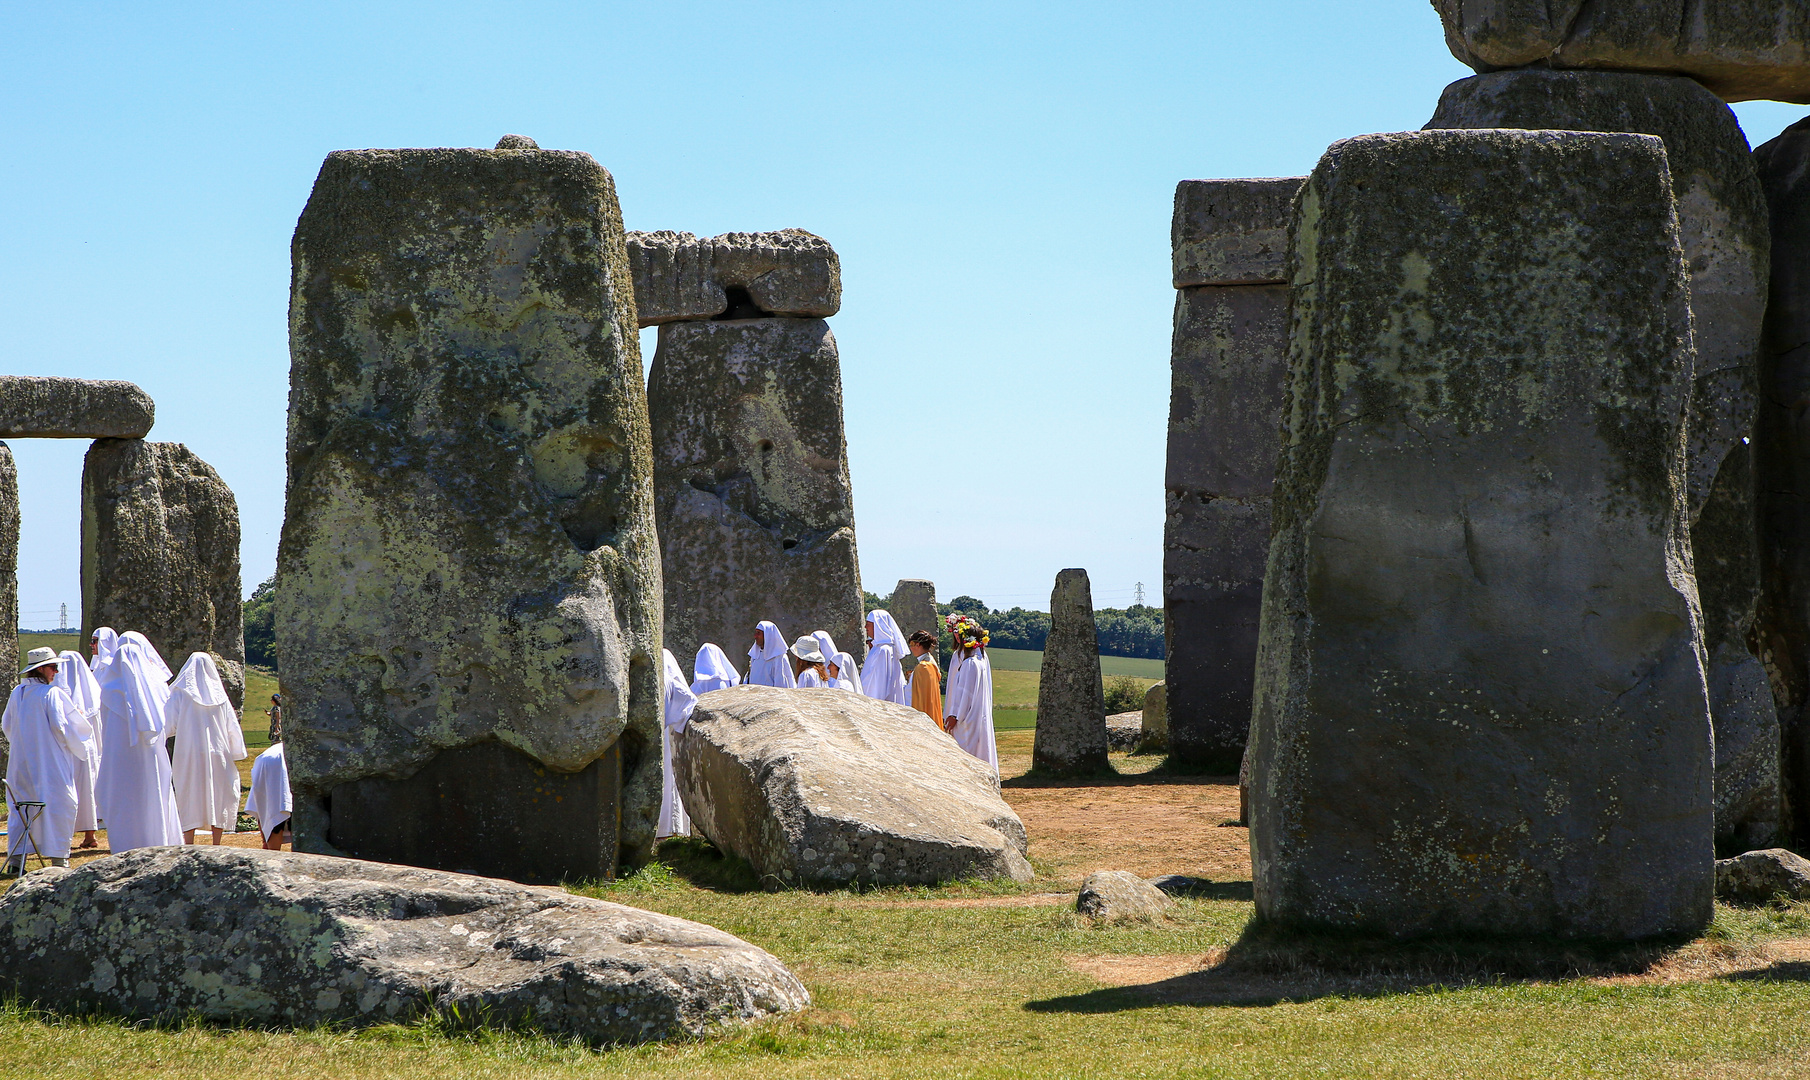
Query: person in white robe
(826,645)
(677,703)
(208,741)
(844,675)
(270,801)
(132,789)
(881,675)
(713,671)
(46,734)
(101,648)
(768,663)
(968,709)
(807,664)
(79,683)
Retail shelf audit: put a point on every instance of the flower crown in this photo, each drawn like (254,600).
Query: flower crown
(967,632)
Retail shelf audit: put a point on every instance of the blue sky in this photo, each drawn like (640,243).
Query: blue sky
(997,179)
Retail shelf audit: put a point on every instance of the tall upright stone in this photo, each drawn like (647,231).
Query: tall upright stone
(9,570)
(1481,702)
(1784,457)
(1071,699)
(1227,366)
(160,553)
(913,607)
(751,481)
(468,587)
(1723,227)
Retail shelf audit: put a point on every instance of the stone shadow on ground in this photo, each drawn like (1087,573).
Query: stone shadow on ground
(1271,965)
(1164,773)
(699,863)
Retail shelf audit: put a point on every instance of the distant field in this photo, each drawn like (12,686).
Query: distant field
(1028,660)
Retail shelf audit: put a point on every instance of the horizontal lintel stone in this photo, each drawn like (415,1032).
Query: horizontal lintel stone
(49,407)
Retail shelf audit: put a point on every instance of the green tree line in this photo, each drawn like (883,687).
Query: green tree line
(1133,631)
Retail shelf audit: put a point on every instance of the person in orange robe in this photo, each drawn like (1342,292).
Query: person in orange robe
(926,680)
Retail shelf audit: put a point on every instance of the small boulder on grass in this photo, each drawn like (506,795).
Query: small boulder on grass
(1124,730)
(1116,895)
(1759,876)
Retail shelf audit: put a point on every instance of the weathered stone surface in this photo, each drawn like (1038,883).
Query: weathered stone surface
(1742,51)
(1759,877)
(1481,703)
(1120,895)
(44,407)
(680,277)
(913,607)
(1783,458)
(1071,700)
(1723,228)
(1124,731)
(1155,719)
(9,569)
(469,552)
(244,936)
(751,483)
(517,142)
(1232,232)
(828,790)
(160,553)
(1228,364)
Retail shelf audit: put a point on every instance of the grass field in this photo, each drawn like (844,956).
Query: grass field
(1029,660)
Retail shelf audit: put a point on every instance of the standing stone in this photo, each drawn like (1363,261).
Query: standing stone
(1723,228)
(1741,50)
(1155,724)
(1227,369)
(49,407)
(751,483)
(9,570)
(160,554)
(468,587)
(1071,699)
(1784,457)
(913,607)
(1481,703)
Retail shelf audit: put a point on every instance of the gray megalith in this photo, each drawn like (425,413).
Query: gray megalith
(47,407)
(913,606)
(1071,700)
(1481,703)
(1228,361)
(468,588)
(1723,229)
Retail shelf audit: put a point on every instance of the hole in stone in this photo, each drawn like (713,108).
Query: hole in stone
(766,447)
(741,305)
(788,543)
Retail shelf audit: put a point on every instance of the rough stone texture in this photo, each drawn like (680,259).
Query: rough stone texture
(830,790)
(9,569)
(1232,232)
(1071,700)
(160,553)
(1742,51)
(1783,465)
(1758,877)
(1481,704)
(751,484)
(517,142)
(1120,896)
(913,607)
(680,277)
(1124,731)
(469,551)
(1155,719)
(41,407)
(244,936)
(1229,361)
(1723,227)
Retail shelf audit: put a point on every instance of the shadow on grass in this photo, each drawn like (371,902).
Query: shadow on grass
(1270,965)
(1167,772)
(698,862)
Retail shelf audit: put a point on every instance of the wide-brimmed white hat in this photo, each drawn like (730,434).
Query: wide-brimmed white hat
(37,658)
(805,648)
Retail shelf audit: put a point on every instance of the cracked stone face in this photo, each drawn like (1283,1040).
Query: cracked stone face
(1481,702)
(262,938)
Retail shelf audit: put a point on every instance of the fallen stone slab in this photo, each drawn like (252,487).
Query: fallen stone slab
(1757,877)
(1124,731)
(1742,51)
(1232,232)
(1120,895)
(680,277)
(828,789)
(47,407)
(245,936)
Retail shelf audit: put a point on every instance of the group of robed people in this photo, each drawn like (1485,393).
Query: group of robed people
(813,662)
(89,749)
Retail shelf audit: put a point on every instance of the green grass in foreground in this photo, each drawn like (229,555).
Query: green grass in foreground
(906,989)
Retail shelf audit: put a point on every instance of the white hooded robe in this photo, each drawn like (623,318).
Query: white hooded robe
(208,741)
(78,682)
(713,671)
(46,733)
(881,675)
(133,787)
(848,676)
(270,801)
(678,701)
(770,664)
(970,701)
